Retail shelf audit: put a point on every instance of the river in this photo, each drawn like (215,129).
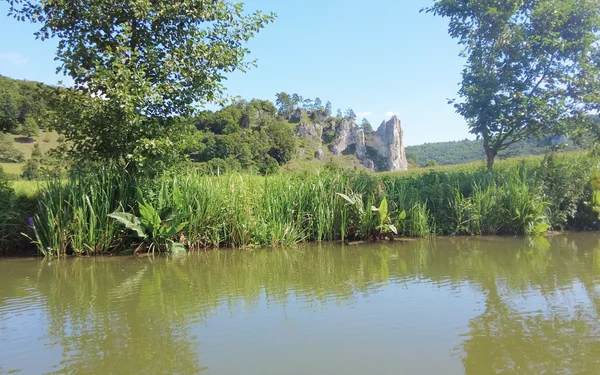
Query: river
(440,306)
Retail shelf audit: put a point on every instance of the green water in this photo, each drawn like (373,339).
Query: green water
(444,306)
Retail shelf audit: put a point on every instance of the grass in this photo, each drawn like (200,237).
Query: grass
(46,140)
(26,187)
(524,196)
(12,169)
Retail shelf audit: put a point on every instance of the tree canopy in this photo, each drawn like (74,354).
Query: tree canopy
(526,62)
(138,65)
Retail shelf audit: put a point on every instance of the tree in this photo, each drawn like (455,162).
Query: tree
(525,62)
(8,151)
(138,66)
(350,114)
(284,103)
(308,104)
(283,141)
(339,114)
(296,101)
(317,105)
(30,127)
(9,107)
(328,109)
(36,152)
(366,125)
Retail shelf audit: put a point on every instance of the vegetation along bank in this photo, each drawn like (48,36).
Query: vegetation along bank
(112,212)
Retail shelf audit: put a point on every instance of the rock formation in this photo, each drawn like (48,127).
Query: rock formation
(349,139)
(388,143)
(382,150)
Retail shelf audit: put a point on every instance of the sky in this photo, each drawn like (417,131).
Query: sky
(379,58)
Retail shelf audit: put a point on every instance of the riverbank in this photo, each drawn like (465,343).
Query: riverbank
(185,210)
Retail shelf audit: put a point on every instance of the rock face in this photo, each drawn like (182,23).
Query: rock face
(382,150)
(351,140)
(388,142)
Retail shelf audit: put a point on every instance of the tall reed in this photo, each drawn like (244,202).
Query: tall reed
(238,210)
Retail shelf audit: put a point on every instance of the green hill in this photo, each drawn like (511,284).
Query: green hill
(467,151)
(259,135)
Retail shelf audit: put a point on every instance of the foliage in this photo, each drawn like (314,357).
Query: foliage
(8,151)
(23,105)
(282,209)
(7,198)
(526,62)
(247,134)
(138,67)
(268,166)
(366,126)
(30,127)
(36,152)
(466,151)
(156,227)
(32,170)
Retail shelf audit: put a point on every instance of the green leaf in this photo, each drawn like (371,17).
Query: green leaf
(383,211)
(402,215)
(130,221)
(178,197)
(393,228)
(347,198)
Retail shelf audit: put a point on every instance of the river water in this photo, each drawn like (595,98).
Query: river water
(441,306)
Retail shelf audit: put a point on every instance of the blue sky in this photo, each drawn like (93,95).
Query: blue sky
(378,58)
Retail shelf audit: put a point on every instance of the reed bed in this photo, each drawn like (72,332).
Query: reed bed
(236,210)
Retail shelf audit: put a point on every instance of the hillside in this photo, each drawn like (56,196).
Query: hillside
(293,133)
(466,151)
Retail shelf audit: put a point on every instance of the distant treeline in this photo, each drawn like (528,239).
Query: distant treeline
(466,151)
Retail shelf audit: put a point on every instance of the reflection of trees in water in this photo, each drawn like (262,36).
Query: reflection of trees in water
(552,340)
(139,313)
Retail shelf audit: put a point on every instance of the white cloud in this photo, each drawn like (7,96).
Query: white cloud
(364,114)
(390,114)
(14,58)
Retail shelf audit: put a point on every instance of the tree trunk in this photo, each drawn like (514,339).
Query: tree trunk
(489,152)
(490,158)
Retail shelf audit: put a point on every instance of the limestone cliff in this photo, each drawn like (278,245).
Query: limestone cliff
(349,139)
(382,150)
(388,144)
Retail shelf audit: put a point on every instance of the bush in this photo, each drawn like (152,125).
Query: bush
(36,152)
(32,170)
(268,166)
(8,152)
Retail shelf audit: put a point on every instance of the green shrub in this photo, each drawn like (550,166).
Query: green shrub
(32,170)
(8,152)
(268,166)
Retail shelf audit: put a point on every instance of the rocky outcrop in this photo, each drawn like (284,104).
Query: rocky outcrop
(349,139)
(382,150)
(387,145)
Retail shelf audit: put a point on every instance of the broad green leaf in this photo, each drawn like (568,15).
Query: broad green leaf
(130,221)
(383,211)
(393,228)
(402,215)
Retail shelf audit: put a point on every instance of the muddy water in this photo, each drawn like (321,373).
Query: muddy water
(442,306)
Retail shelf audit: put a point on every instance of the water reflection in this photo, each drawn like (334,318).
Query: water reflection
(491,305)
